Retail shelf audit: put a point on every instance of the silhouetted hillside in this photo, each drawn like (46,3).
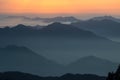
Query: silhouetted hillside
(26,76)
(60,42)
(100,18)
(14,58)
(92,65)
(66,31)
(104,27)
(52,29)
(114,76)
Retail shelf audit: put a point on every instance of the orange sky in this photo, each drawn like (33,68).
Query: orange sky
(60,6)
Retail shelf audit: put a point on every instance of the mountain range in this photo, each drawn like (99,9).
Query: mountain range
(105,18)
(11,20)
(18,58)
(26,76)
(60,42)
(107,27)
(92,65)
(60,48)
(14,20)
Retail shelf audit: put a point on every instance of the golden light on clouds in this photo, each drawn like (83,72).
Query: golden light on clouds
(60,6)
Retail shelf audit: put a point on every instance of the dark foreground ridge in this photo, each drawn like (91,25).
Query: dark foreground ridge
(26,76)
(114,76)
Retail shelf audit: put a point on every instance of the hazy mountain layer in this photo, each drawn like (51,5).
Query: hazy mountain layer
(60,42)
(14,58)
(92,65)
(107,27)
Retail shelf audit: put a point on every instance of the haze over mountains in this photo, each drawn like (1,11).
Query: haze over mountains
(29,20)
(60,48)
(60,42)
(16,58)
(14,20)
(105,18)
(104,26)
(92,65)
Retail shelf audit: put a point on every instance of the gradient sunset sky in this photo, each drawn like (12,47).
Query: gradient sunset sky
(111,7)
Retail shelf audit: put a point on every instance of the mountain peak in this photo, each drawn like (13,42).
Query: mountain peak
(93,59)
(92,65)
(58,27)
(105,18)
(21,27)
(56,23)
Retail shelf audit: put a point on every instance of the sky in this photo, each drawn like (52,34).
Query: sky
(110,7)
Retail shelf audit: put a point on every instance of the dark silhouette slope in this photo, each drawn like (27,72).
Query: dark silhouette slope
(14,58)
(26,76)
(60,42)
(105,27)
(114,76)
(92,65)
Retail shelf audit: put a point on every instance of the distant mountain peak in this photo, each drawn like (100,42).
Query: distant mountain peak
(18,58)
(56,23)
(100,18)
(59,26)
(93,59)
(92,65)
(21,27)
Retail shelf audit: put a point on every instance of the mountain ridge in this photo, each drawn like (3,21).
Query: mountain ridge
(59,43)
(27,76)
(106,27)
(92,65)
(17,58)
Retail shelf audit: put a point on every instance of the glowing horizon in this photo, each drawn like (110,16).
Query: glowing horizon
(62,6)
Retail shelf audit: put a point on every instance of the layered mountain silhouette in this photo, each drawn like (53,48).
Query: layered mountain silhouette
(104,26)
(56,19)
(15,58)
(65,30)
(48,20)
(26,76)
(27,20)
(92,65)
(105,17)
(60,42)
